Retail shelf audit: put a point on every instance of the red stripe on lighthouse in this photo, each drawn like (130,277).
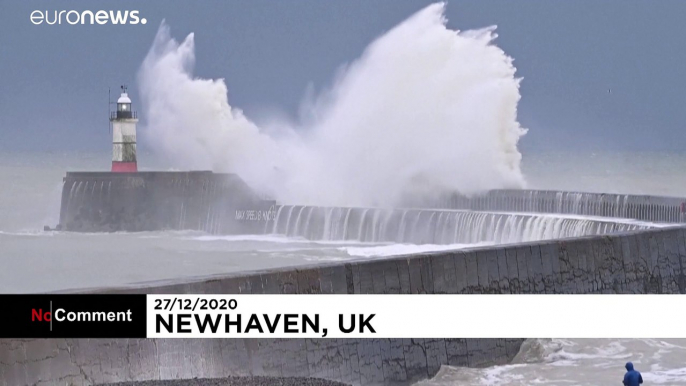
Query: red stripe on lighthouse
(124,167)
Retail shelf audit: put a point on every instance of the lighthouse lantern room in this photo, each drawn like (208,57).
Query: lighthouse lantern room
(124,135)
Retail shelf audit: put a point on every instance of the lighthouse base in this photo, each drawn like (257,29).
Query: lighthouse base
(124,167)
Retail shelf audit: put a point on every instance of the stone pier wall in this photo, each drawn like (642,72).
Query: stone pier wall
(640,207)
(650,261)
(224,204)
(150,201)
(353,361)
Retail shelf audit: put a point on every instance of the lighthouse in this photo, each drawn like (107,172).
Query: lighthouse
(124,135)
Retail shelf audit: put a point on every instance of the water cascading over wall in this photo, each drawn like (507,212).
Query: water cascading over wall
(640,207)
(427,226)
(224,204)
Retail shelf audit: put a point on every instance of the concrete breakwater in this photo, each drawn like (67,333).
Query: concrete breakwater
(352,361)
(640,207)
(145,201)
(647,261)
(224,204)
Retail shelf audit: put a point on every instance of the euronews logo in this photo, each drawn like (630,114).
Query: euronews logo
(86,17)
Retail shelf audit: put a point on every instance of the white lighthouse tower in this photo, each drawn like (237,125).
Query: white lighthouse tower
(124,135)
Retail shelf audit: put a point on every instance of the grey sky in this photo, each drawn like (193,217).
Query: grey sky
(54,79)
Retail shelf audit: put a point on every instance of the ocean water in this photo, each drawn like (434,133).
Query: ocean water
(577,362)
(653,173)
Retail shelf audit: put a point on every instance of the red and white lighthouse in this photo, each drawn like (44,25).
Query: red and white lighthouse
(124,135)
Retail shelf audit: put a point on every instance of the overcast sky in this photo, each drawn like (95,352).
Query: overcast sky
(54,79)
